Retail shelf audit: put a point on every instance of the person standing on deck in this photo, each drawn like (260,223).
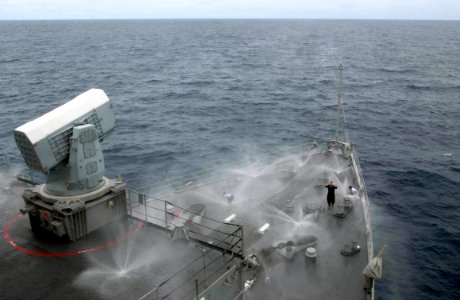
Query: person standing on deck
(331,194)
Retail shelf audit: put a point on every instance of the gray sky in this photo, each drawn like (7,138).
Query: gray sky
(331,9)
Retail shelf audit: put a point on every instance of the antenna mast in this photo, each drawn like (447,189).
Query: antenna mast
(340,115)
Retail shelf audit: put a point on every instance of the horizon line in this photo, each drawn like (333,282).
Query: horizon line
(226,18)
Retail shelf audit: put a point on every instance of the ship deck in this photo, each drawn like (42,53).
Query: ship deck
(289,195)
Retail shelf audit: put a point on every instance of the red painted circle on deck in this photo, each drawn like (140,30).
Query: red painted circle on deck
(7,237)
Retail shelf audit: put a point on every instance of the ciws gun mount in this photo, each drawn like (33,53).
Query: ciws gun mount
(65,145)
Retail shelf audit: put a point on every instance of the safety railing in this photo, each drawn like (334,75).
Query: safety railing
(198,277)
(365,201)
(172,217)
(220,243)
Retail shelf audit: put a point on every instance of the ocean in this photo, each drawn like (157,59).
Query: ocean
(196,94)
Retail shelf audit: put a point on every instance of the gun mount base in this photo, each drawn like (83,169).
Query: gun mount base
(76,216)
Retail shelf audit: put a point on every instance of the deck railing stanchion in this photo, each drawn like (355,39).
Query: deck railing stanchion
(166,215)
(204,267)
(144,198)
(128,196)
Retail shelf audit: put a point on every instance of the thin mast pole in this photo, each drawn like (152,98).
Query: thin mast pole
(339,102)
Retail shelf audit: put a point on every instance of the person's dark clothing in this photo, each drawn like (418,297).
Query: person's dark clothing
(331,194)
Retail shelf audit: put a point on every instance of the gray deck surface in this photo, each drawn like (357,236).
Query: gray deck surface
(262,195)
